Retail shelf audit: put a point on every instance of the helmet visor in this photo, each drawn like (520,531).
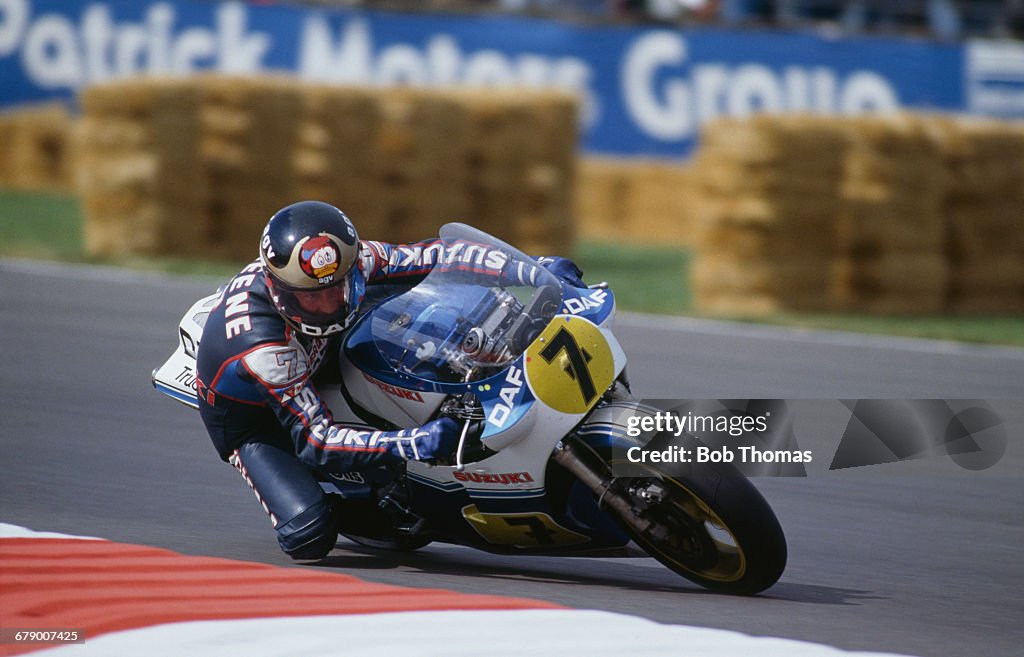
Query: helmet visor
(326,302)
(319,307)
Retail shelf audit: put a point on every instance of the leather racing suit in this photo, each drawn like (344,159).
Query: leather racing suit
(262,409)
(264,414)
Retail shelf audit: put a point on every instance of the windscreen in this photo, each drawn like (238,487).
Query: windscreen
(480,307)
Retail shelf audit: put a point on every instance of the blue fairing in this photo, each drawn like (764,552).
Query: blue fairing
(597,305)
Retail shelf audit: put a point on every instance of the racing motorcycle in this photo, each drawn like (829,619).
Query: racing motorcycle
(530,367)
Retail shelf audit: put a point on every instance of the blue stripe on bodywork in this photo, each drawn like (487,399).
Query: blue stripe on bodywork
(177,395)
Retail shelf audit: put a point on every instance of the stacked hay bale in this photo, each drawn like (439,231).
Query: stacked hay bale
(403,162)
(336,136)
(139,173)
(393,161)
(520,159)
(885,214)
(984,215)
(889,230)
(661,205)
(638,201)
(213,163)
(602,208)
(768,193)
(417,159)
(35,147)
(249,132)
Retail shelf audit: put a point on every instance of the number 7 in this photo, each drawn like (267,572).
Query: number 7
(578,358)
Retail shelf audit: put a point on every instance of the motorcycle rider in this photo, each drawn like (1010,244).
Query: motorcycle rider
(277,324)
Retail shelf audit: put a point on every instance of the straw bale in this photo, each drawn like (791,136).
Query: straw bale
(660,204)
(797,214)
(926,195)
(877,227)
(132,97)
(237,216)
(351,130)
(250,125)
(788,278)
(501,129)
(343,113)
(911,273)
(799,141)
(240,90)
(769,243)
(983,157)
(312,135)
(401,162)
(890,303)
(728,176)
(870,234)
(897,182)
(137,172)
(36,147)
(357,196)
(124,225)
(107,234)
(224,154)
(414,212)
(980,235)
(600,201)
(113,135)
(738,305)
(989,304)
(311,164)
(551,228)
(994,274)
(225,122)
(7,137)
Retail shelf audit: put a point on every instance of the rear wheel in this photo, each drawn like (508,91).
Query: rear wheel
(393,543)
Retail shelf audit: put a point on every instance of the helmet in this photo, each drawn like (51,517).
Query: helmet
(309,252)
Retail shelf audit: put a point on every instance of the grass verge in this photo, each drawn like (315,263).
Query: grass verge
(645,279)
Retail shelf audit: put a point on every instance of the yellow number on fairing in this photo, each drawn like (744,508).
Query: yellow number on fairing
(520,529)
(570,365)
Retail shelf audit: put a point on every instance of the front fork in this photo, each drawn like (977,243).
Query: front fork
(575,456)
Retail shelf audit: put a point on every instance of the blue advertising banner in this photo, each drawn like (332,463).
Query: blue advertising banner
(646,91)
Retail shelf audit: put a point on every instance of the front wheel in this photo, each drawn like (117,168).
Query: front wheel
(712,527)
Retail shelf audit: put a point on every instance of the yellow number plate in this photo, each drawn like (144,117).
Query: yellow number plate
(570,365)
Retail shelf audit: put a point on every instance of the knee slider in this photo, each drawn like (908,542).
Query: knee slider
(309,535)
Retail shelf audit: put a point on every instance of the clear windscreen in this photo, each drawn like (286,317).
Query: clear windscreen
(481,306)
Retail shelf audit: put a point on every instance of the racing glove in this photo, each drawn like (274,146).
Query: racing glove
(434,440)
(564,269)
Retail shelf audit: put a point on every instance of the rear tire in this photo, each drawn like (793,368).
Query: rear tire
(393,544)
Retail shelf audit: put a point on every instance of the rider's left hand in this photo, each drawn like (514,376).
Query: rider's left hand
(563,268)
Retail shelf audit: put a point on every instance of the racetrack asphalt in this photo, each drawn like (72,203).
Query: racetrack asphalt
(920,558)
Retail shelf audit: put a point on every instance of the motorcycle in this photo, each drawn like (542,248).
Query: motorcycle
(530,367)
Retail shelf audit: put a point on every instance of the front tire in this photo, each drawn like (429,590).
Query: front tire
(712,527)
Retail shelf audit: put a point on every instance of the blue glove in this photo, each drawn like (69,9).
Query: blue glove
(563,268)
(434,440)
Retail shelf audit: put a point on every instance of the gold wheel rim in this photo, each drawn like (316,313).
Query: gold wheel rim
(731,564)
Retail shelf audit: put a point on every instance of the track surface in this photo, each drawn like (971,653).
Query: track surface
(921,558)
